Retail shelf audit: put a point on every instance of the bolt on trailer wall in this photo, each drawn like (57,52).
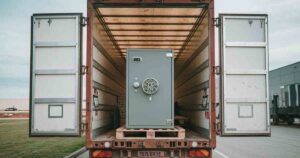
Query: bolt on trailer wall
(244,58)
(55,85)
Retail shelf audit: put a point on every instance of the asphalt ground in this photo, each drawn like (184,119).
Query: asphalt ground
(283,143)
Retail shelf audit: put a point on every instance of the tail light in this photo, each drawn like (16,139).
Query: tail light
(199,153)
(101,154)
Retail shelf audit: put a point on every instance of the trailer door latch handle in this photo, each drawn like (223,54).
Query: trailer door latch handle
(83,70)
(217,70)
(216,22)
(83,21)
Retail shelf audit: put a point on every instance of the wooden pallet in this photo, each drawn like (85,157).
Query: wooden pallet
(163,133)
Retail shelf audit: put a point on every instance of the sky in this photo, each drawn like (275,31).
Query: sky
(15,40)
(284,34)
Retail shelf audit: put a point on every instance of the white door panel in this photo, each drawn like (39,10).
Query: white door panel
(55,100)
(55,86)
(44,112)
(241,117)
(249,58)
(60,29)
(55,58)
(244,57)
(245,86)
(241,29)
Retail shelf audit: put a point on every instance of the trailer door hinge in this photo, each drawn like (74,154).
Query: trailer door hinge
(216,22)
(83,70)
(214,126)
(83,21)
(83,127)
(217,70)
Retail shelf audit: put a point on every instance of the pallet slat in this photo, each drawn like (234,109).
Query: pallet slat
(174,133)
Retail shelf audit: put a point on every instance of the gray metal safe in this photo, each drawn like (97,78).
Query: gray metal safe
(150,89)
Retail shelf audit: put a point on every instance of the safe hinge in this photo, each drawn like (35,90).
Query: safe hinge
(216,22)
(217,70)
(83,70)
(83,21)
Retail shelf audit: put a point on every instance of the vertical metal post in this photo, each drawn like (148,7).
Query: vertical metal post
(88,74)
(275,110)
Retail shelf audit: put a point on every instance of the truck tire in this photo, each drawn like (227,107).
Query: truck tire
(290,120)
(275,120)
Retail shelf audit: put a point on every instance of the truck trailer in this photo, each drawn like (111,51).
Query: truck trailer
(284,92)
(285,105)
(187,28)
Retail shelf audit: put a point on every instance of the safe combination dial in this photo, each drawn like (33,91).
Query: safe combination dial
(150,86)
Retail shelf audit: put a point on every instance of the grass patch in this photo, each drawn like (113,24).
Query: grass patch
(15,142)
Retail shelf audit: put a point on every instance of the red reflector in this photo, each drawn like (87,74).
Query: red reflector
(198,153)
(101,154)
(206,114)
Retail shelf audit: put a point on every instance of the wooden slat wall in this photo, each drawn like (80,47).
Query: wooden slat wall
(191,68)
(149,20)
(150,11)
(185,33)
(103,38)
(108,74)
(167,25)
(192,78)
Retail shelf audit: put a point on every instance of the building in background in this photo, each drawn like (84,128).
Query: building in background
(19,104)
(14,108)
(284,85)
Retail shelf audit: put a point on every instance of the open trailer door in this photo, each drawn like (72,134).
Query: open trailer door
(244,74)
(55,77)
